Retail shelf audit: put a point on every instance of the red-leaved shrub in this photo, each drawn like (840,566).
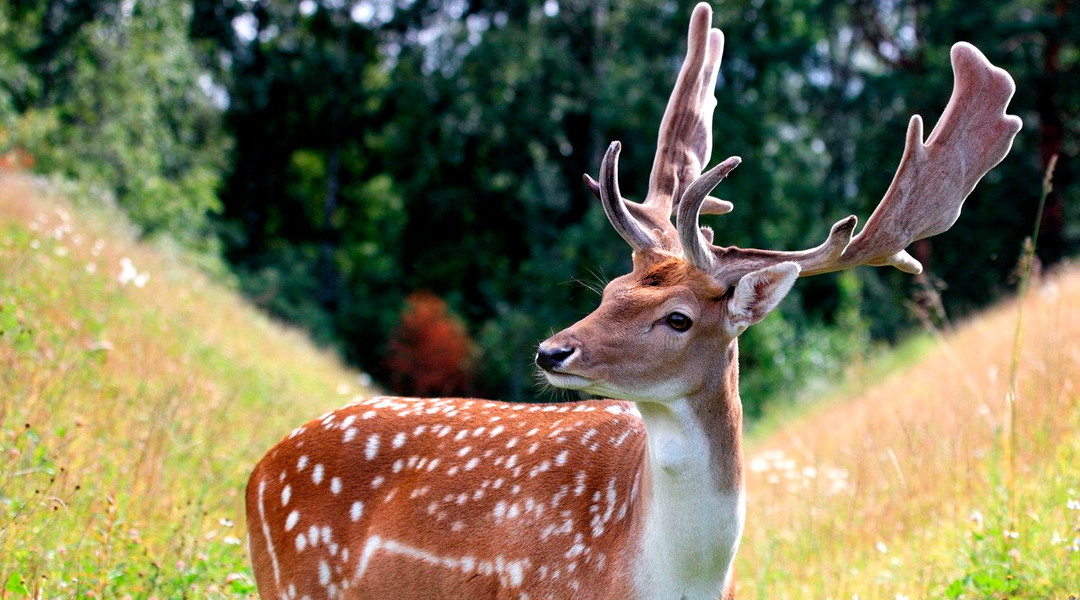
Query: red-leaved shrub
(16,159)
(430,353)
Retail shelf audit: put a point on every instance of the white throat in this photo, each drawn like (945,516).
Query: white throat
(692,526)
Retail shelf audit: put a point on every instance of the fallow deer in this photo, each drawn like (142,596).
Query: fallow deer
(635,498)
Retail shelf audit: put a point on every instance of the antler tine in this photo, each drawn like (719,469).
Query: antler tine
(934,178)
(615,206)
(695,247)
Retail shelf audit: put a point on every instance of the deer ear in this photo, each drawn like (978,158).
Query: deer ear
(758,293)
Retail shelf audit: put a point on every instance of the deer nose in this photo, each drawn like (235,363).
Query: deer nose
(550,359)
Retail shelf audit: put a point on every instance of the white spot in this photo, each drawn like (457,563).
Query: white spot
(579,480)
(350,434)
(375,483)
(469,466)
(399,439)
(464,451)
(335,485)
(369,414)
(286,493)
(496,430)
(291,520)
(513,442)
(399,464)
(317,474)
(372,447)
(347,421)
(615,410)
(560,459)
(302,463)
(324,573)
(356,511)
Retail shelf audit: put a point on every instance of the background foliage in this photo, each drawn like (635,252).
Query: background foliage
(344,155)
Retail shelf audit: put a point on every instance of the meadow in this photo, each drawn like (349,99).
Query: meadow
(136,394)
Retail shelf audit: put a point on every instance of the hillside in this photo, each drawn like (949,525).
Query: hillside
(905,489)
(137,395)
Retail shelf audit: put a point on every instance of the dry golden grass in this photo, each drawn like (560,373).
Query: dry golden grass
(903,490)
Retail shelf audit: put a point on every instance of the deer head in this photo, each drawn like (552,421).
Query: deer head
(660,330)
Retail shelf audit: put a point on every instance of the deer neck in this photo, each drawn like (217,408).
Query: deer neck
(695,505)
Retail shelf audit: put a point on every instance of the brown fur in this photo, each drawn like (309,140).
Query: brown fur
(565,490)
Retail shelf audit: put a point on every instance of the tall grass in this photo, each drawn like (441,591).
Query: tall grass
(957,477)
(1027,264)
(135,396)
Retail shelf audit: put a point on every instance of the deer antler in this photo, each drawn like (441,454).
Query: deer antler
(683,148)
(925,198)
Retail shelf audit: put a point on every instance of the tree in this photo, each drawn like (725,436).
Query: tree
(111,94)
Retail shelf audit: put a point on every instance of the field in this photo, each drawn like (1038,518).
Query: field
(136,395)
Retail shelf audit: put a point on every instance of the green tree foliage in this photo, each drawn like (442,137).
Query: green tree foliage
(478,118)
(112,94)
(381,148)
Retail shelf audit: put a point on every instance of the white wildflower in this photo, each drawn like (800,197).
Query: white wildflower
(129,274)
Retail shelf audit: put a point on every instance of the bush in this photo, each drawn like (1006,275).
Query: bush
(430,353)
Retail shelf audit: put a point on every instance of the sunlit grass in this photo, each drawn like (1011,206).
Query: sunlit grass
(900,490)
(135,396)
(131,416)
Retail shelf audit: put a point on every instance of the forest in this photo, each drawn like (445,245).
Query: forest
(403,179)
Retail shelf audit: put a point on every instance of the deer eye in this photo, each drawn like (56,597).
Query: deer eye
(679,321)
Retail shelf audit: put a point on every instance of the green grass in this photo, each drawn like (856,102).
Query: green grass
(130,417)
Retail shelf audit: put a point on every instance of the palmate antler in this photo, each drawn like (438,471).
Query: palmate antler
(683,148)
(925,198)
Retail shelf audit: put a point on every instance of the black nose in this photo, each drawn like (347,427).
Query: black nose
(552,358)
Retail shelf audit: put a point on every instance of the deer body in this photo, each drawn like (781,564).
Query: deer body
(630,499)
(459,498)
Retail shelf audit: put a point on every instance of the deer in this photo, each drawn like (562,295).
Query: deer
(637,495)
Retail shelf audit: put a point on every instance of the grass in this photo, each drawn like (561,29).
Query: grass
(901,490)
(131,416)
